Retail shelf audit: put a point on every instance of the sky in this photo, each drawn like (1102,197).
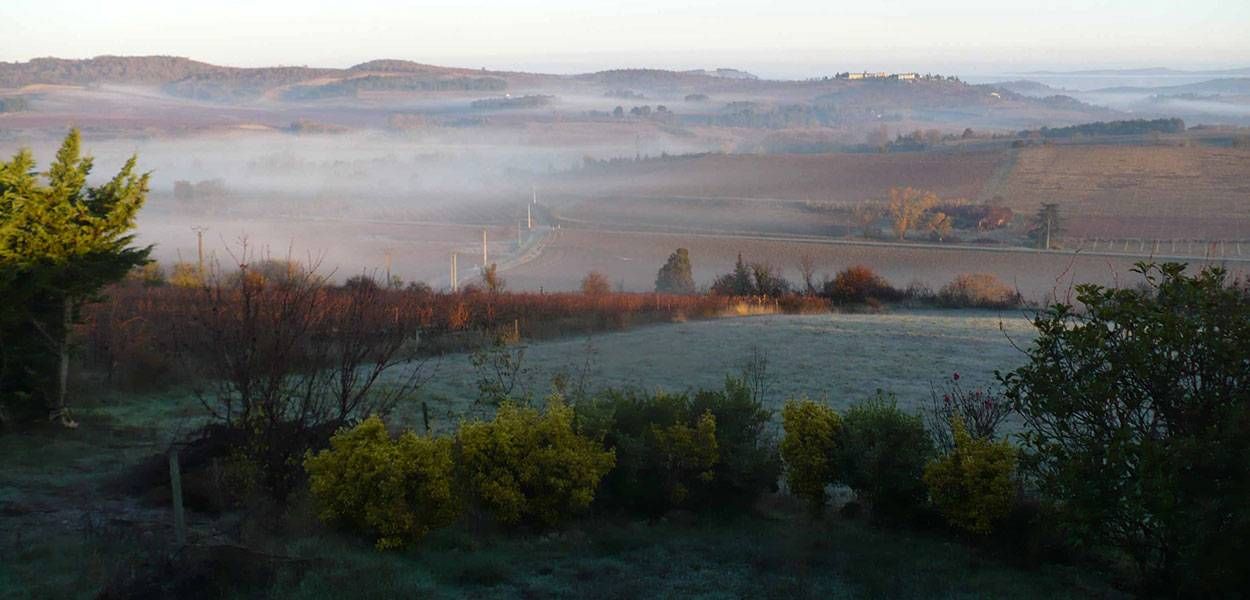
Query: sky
(778,38)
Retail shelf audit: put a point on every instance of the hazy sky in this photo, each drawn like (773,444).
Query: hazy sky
(780,37)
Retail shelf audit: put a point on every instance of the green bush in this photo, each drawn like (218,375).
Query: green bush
(679,451)
(883,456)
(527,466)
(395,489)
(972,486)
(1137,424)
(810,449)
(749,463)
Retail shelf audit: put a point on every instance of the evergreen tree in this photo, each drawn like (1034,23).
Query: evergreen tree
(61,241)
(1046,225)
(675,276)
(737,283)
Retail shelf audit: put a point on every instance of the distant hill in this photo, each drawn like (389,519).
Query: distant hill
(1027,87)
(726,73)
(102,69)
(1154,71)
(1215,86)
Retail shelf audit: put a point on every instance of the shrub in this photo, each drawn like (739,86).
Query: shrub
(1137,415)
(749,463)
(979,411)
(646,479)
(527,466)
(860,284)
(810,449)
(687,453)
(972,485)
(395,489)
(595,284)
(978,290)
(722,430)
(883,456)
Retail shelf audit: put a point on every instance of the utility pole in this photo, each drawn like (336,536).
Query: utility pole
(388,252)
(1048,231)
(484,259)
(199,243)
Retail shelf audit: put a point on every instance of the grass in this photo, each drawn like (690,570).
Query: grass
(839,358)
(712,557)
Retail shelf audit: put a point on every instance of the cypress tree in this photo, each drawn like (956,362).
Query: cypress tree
(61,242)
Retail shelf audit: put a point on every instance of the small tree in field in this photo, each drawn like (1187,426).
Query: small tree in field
(939,224)
(675,276)
(595,284)
(491,279)
(60,243)
(1137,413)
(1046,225)
(906,207)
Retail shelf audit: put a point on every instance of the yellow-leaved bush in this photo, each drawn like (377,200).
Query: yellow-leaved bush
(395,489)
(527,466)
(973,486)
(809,449)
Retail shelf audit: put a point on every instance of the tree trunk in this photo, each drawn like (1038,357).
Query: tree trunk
(60,412)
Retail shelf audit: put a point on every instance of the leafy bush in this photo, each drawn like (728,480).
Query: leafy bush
(883,456)
(978,290)
(810,449)
(860,284)
(678,451)
(646,479)
(395,489)
(749,463)
(1137,414)
(972,485)
(527,466)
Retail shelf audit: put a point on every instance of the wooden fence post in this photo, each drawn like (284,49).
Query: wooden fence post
(175,490)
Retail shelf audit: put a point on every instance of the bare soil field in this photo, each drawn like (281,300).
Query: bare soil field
(1105,190)
(1157,192)
(631,260)
(843,177)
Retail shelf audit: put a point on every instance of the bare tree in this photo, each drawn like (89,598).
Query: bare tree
(285,361)
(865,216)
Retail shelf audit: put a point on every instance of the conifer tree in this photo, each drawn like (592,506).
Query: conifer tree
(675,276)
(61,242)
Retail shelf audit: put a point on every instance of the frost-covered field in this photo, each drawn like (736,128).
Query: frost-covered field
(839,358)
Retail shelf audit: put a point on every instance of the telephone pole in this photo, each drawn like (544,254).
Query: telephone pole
(484,259)
(199,244)
(389,252)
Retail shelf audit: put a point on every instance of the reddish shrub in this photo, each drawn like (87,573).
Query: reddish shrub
(859,284)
